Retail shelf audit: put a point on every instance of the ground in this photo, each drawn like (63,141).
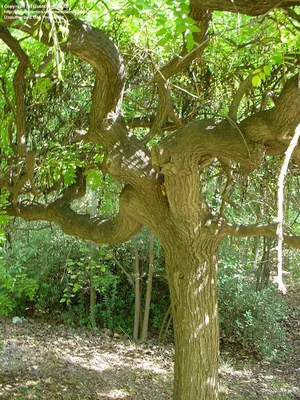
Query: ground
(42,361)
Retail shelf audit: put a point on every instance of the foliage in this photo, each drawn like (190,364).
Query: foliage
(54,271)
(16,289)
(251,321)
(63,133)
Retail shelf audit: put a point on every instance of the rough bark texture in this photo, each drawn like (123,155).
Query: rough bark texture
(144,333)
(192,275)
(161,188)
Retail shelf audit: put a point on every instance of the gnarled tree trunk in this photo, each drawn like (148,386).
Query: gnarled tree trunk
(192,275)
(162,187)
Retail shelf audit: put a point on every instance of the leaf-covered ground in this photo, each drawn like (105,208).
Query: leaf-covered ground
(44,362)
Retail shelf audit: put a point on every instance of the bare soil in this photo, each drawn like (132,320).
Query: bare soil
(41,361)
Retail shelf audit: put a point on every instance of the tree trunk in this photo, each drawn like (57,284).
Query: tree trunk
(137,288)
(144,333)
(192,275)
(164,325)
(263,271)
(94,258)
(93,300)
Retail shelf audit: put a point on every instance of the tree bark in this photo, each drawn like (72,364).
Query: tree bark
(144,333)
(137,289)
(165,325)
(192,275)
(94,257)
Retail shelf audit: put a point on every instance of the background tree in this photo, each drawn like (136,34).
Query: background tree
(185,113)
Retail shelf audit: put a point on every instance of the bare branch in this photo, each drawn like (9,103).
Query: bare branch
(7,99)
(46,60)
(177,64)
(117,262)
(237,98)
(261,230)
(28,175)
(201,141)
(292,14)
(280,196)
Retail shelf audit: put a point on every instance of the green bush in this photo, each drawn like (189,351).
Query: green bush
(16,290)
(251,321)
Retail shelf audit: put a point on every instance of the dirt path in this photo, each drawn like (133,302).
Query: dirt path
(44,362)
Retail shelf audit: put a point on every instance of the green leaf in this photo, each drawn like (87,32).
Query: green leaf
(94,179)
(98,158)
(69,175)
(3,219)
(256,81)
(180,28)
(194,28)
(76,288)
(190,42)
(2,234)
(164,40)
(267,70)
(262,76)
(278,59)
(161,32)
(191,21)
(6,304)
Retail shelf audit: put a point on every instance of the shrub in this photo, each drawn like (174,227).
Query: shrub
(251,320)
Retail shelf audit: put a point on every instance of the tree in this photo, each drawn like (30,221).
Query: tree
(159,156)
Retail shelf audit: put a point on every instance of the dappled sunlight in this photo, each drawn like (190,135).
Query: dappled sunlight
(210,127)
(197,331)
(114,394)
(49,362)
(104,360)
(95,364)
(211,382)
(43,362)
(206,319)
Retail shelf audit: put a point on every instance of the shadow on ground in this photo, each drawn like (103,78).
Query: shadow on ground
(44,362)
(50,362)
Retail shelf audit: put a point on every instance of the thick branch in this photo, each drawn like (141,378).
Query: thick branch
(92,45)
(287,110)
(19,88)
(111,231)
(249,7)
(202,141)
(261,230)
(246,143)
